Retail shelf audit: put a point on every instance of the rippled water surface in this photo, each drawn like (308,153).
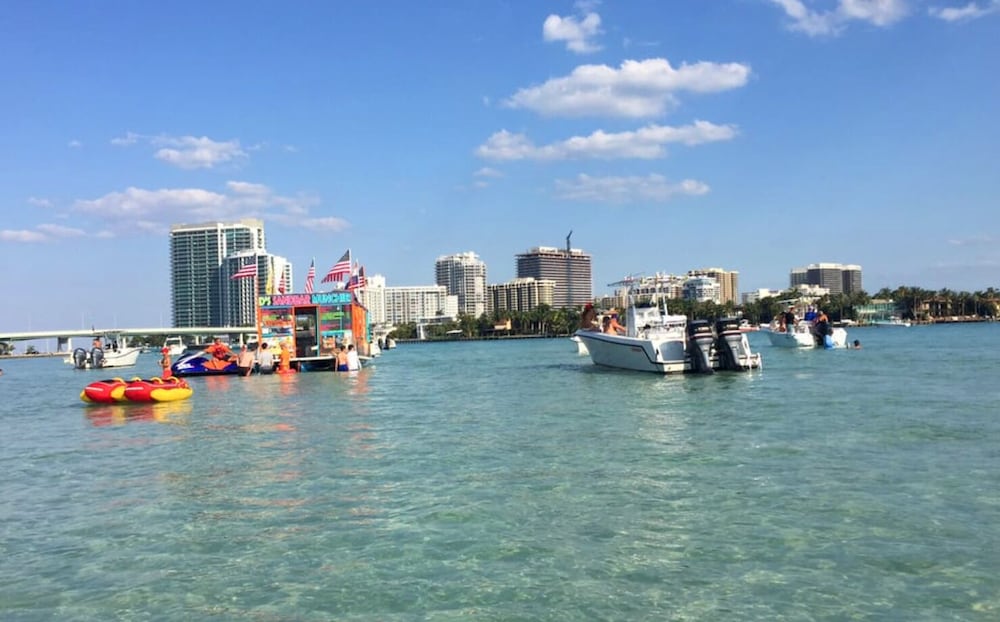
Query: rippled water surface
(516,481)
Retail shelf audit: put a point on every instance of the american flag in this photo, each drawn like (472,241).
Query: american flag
(310,277)
(340,270)
(358,280)
(281,283)
(248,270)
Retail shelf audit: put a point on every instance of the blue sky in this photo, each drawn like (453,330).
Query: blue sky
(753,135)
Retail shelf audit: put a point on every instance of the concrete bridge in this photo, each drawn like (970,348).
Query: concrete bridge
(64,338)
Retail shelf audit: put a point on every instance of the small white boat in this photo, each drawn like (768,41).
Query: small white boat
(115,352)
(175,345)
(805,335)
(658,342)
(893,320)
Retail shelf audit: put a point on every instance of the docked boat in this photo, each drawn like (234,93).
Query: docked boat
(655,341)
(807,334)
(114,353)
(175,345)
(893,320)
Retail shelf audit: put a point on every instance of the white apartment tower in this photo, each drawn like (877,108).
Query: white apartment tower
(464,276)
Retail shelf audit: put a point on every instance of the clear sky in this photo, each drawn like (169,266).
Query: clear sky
(752,135)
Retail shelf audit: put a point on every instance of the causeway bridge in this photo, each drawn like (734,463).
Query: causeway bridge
(64,338)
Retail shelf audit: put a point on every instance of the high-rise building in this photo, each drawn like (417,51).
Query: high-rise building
(416,303)
(702,289)
(239,297)
(728,281)
(204,257)
(838,278)
(520,294)
(569,269)
(463,275)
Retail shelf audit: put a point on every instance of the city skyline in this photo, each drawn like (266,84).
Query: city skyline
(756,135)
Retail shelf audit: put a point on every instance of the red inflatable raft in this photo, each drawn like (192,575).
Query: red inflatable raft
(136,390)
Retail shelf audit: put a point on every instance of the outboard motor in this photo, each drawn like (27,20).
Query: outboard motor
(96,358)
(80,358)
(700,339)
(732,345)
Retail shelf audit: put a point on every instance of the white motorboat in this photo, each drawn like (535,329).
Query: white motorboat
(658,342)
(893,320)
(805,334)
(175,345)
(114,352)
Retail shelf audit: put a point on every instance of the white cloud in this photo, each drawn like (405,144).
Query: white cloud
(192,152)
(328,223)
(633,189)
(488,172)
(832,21)
(645,143)
(59,231)
(577,33)
(74,144)
(21,235)
(41,233)
(636,89)
(969,12)
(130,138)
(189,152)
(154,210)
(977,240)
(39,202)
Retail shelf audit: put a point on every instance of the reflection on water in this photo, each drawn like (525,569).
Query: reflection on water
(128,412)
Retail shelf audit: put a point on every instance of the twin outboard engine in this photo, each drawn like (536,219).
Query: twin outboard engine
(80,358)
(731,345)
(96,358)
(700,340)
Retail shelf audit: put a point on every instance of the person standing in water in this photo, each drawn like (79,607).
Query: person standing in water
(165,363)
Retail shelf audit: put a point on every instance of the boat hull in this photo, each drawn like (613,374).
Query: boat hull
(661,356)
(805,339)
(123,357)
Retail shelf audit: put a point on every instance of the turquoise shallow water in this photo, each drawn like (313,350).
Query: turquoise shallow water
(516,481)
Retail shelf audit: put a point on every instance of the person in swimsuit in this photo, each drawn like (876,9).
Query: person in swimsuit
(244,360)
(165,363)
(342,364)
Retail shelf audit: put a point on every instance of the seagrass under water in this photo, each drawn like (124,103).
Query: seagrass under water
(516,481)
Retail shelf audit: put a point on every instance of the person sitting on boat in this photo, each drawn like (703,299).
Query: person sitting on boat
(588,320)
(810,314)
(611,325)
(220,351)
(788,320)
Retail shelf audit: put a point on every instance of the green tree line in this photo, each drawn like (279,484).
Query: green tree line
(913,303)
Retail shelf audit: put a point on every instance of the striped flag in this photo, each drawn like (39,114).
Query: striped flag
(281,283)
(248,270)
(340,270)
(358,281)
(310,277)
